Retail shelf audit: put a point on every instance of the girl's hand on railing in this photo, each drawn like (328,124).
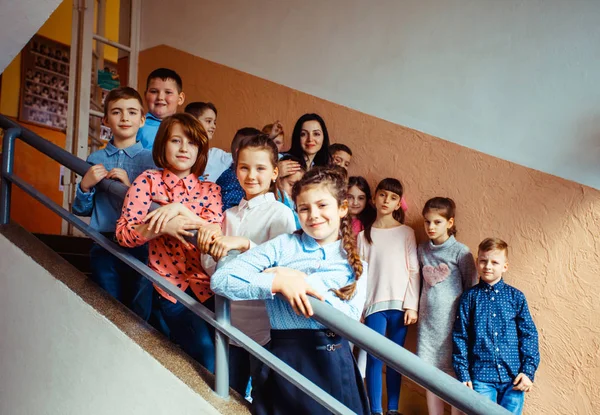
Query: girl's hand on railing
(179,227)
(468,384)
(92,177)
(410,317)
(159,218)
(293,286)
(223,244)
(207,235)
(120,175)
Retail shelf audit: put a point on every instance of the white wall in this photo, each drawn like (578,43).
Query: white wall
(518,79)
(19,21)
(59,356)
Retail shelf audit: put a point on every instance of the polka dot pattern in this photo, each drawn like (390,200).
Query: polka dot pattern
(231,190)
(176,263)
(494,335)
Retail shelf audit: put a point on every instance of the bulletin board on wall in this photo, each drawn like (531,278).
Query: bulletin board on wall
(44,83)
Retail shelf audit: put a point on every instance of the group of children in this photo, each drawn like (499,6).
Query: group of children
(303,229)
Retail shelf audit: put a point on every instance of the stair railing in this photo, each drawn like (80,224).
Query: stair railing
(394,356)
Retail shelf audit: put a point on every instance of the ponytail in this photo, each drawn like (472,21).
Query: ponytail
(399,214)
(445,207)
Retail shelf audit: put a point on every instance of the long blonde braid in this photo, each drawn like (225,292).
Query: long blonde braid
(349,244)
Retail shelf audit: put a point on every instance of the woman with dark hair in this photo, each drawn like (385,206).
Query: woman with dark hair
(310,143)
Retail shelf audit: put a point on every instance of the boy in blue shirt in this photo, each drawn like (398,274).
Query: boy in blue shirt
(164,93)
(341,155)
(122,159)
(495,340)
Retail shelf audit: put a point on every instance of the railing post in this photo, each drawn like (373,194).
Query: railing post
(8,158)
(222,315)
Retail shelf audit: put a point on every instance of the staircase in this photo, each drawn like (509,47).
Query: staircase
(84,343)
(74,250)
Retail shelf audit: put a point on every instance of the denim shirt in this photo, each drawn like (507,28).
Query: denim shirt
(147,133)
(103,209)
(494,335)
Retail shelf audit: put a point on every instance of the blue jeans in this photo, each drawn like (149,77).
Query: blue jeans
(194,335)
(503,394)
(121,281)
(389,323)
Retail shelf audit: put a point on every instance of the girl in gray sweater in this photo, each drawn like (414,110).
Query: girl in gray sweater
(447,269)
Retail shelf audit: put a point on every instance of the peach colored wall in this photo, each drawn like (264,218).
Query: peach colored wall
(475,72)
(551,224)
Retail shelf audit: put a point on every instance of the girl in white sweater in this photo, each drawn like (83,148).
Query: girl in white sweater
(390,249)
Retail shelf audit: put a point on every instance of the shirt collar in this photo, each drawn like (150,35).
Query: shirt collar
(257,200)
(496,287)
(171,180)
(311,245)
(151,117)
(131,151)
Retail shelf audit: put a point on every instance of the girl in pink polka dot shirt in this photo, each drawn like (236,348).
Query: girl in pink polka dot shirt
(180,149)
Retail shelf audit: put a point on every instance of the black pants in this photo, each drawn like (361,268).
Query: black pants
(242,367)
(322,357)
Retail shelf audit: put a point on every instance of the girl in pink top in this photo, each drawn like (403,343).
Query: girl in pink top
(392,303)
(180,149)
(359,203)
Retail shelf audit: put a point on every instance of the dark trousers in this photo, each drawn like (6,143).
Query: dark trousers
(242,367)
(121,281)
(194,335)
(322,357)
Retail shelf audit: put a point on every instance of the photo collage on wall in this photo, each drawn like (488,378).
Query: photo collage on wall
(45,83)
(45,86)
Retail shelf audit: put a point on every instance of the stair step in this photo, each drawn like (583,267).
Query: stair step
(66,244)
(79,261)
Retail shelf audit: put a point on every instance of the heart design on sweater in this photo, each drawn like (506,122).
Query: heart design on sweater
(435,275)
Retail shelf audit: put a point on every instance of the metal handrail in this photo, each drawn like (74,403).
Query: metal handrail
(219,319)
(396,357)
